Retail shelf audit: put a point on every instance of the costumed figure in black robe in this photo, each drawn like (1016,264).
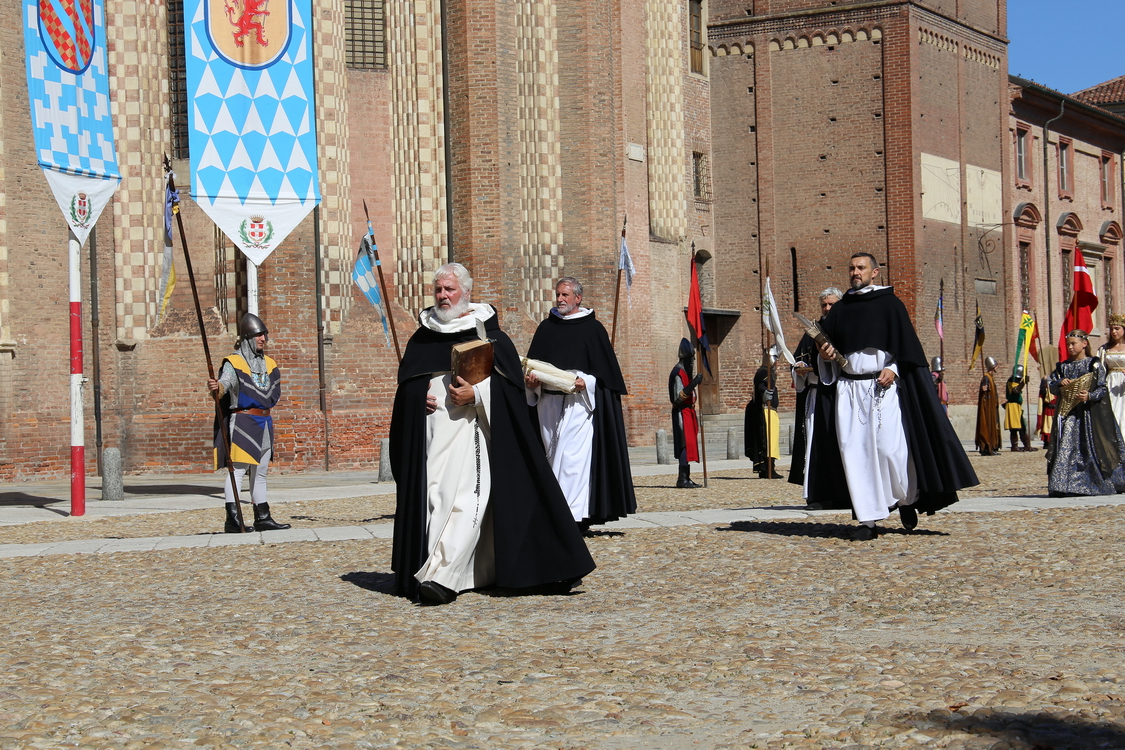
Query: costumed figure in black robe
(583,432)
(685,422)
(988,411)
(897,446)
(808,387)
(252,383)
(477,504)
(761,429)
(1085,454)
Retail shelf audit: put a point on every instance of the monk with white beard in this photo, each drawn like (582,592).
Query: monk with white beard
(477,504)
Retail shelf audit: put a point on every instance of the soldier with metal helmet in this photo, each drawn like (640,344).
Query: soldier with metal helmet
(1014,421)
(685,422)
(937,372)
(988,411)
(253,383)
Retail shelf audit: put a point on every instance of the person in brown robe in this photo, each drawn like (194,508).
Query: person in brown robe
(988,411)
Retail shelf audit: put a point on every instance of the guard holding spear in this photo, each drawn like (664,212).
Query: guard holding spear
(253,383)
(257,398)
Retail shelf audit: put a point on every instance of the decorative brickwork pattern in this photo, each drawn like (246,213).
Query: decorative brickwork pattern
(667,157)
(336,243)
(5,332)
(540,165)
(817,39)
(136,42)
(414,44)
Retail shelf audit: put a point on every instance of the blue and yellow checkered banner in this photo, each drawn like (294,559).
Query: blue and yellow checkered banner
(252,118)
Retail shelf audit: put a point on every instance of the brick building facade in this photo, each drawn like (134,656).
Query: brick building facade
(1066,185)
(772,136)
(563,118)
(876,127)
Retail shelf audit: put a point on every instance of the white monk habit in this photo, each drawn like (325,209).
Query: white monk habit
(869,428)
(566,423)
(459,480)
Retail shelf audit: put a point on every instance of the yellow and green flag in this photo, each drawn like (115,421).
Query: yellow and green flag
(1024,339)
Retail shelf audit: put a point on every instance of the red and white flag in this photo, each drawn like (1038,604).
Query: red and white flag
(1083,302)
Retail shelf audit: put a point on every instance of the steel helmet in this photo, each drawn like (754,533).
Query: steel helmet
(250,326)
(990,363)
(1017,372)
(936,365)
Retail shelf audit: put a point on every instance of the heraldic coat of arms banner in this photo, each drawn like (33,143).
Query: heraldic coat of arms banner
(252,118)
(68,89)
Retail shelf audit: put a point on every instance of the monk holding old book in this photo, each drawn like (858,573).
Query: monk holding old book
(478,504)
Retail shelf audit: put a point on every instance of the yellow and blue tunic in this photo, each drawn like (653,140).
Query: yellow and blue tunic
(250,430)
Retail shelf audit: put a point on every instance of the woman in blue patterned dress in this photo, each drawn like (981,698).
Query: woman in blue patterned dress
(1086,452)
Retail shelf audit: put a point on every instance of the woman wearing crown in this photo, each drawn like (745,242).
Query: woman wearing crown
(1086,452)
(1112,355)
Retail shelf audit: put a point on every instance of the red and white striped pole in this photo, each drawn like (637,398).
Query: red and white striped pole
(77,434)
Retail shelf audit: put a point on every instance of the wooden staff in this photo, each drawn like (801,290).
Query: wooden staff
(698,393)
(699,414)
(617,287)
(769,386)
(382,282)
(206,349)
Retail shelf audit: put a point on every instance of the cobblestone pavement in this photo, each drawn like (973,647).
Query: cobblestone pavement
(980,630)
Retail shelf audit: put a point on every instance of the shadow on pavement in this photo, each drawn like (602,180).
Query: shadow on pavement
(22,498)
(380,583)
(820,530)
(1031,730)
(348,521)
(211,490)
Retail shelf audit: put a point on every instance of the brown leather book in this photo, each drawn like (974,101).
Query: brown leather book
(472,361)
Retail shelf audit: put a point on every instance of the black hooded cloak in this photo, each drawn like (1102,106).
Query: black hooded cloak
(756,443)
(879,320)
(583,344)
(825,487)
(536,539)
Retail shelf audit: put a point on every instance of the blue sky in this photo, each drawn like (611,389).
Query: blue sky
(1066,45)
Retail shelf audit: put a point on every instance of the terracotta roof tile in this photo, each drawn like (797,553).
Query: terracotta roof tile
(1110,92)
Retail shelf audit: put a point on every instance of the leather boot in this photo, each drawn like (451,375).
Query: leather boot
(684,480)
(263,521)
(231,526)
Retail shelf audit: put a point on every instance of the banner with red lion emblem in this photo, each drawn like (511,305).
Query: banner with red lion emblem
(253,134)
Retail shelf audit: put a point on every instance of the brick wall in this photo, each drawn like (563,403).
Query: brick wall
(842,104)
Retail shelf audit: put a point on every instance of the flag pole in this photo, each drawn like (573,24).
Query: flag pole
(617,286)
(702,432)
(206,349)
(382,281)
(698,396)
(77,410)
(769,384)
(941,304)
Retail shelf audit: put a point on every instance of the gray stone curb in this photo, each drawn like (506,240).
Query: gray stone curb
(638,521)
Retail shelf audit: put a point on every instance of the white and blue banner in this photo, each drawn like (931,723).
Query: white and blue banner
(250,110)
(363,274)
(68,89)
